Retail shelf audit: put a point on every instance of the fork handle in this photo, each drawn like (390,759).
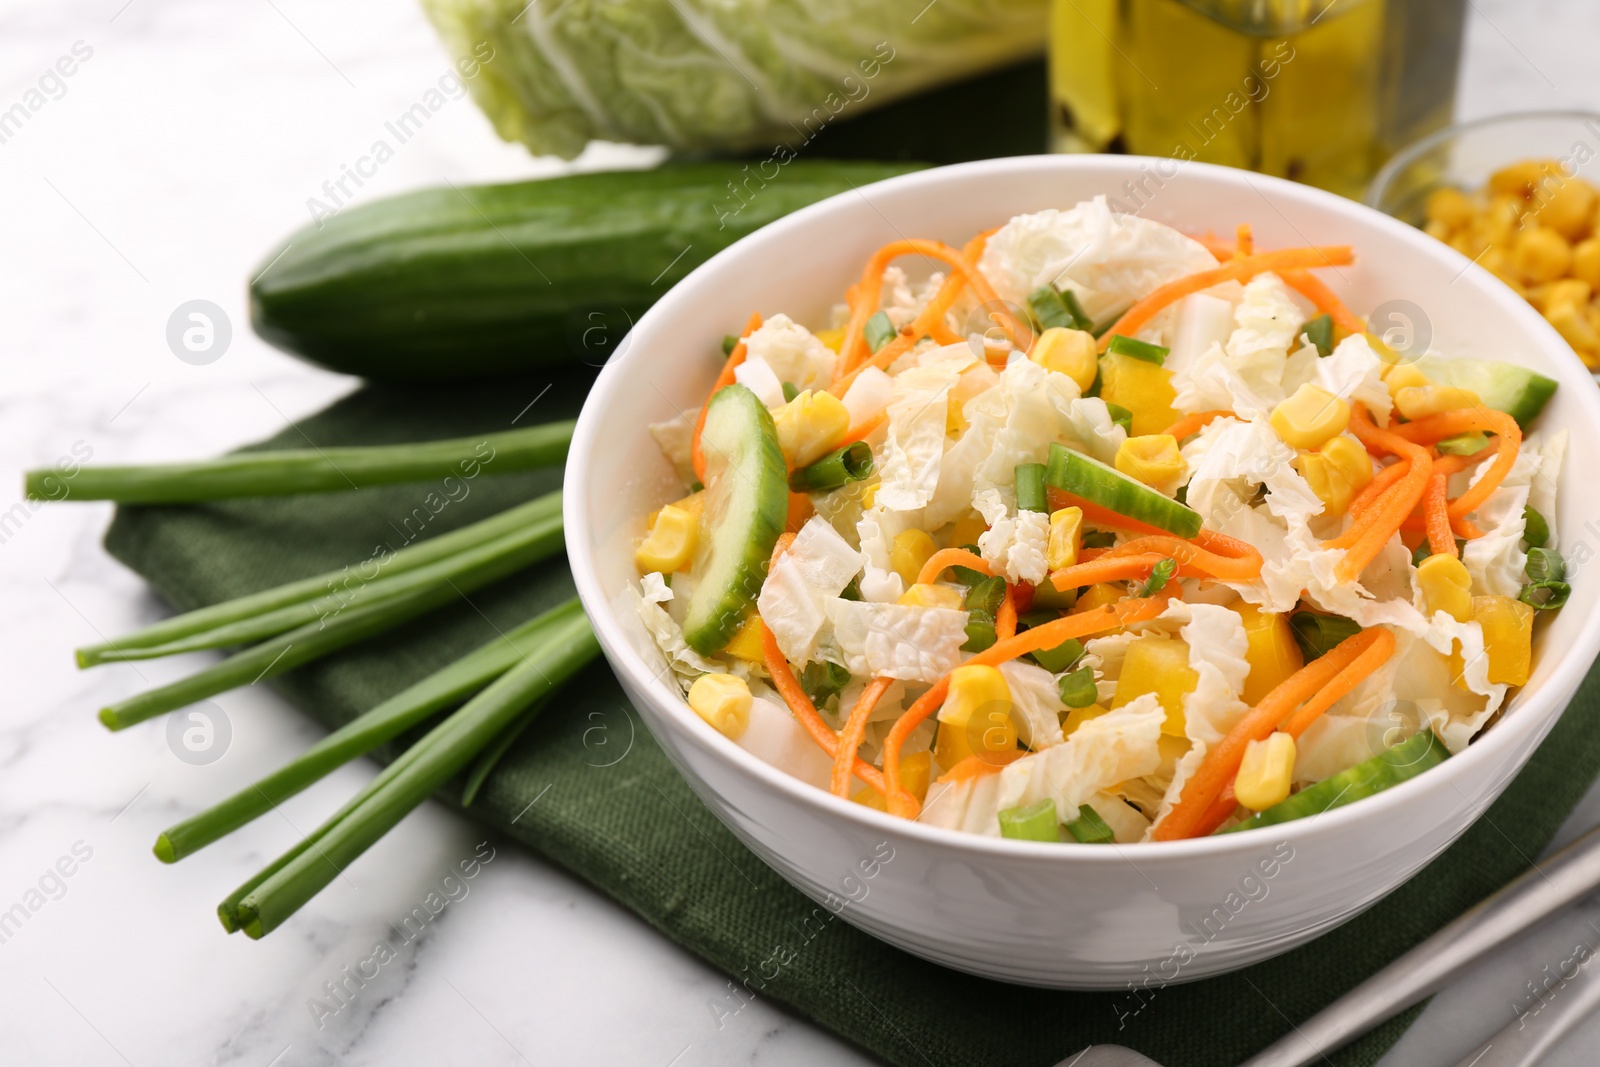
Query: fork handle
(1534,895)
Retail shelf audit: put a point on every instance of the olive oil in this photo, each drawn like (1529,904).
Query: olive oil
(1320,91)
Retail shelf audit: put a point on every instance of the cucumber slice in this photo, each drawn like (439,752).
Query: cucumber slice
(1084,476)
(1406,760)
(1517,391)
(746,508)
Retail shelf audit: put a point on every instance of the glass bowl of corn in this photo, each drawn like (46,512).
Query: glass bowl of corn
(1518,195)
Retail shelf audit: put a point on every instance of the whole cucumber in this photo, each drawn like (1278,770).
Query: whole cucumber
(464,282)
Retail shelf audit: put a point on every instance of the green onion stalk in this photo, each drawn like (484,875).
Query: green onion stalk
(312,470)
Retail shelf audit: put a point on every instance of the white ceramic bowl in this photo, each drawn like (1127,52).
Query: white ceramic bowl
(1069,916)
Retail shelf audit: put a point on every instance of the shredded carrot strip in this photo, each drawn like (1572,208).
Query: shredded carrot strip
(1106,567)
(724,378)
(1223,250)
(1311,690)
(1237,561)
(950,557)
(978,766)
(800,509)
(1244,240)
(1434,428)
(788,687)
(1238,269)
(1436,514)
(1192,424)
(1383,519)
(855,728)
(1105,518)
(1049,635)
(1324,299)
(1374,489)
(864,429)
(1005,617)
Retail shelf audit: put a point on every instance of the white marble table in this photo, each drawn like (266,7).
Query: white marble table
(186,141)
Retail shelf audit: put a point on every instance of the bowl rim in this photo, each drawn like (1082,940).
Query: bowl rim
(1536,714)
(1411,152)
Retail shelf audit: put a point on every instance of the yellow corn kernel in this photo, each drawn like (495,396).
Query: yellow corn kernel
(1586,261)
(694,503)
(810,426)
(834,339)
(1568,209)
(1445,586)
(1449,206)
(1574,327)
(1501,223)
(670,544)
(1152,459)
(1398,376)
(1066,538)
(909,552)
(914,773)
(1573,291)
(1265,772)
(723,701)
(1541,255)
(1071,352)
(923,595)
(1078,716)
(1336,472)
(975,717)
(746,643)
(1422,400)
(1523,178)
(1098,595)
(1310,417)
(1158,665)
(1271,651)
(1507,637)
(967,530)
(1144,388)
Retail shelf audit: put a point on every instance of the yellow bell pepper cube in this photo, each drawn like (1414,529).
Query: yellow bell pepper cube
(1070,352)
(1266,772)
(1078,716)
(1310,418)
(1066,538)
(746,643)
(915,770)
(834,339)
(975,716)
(966,531)
(1158,665)
(1144,388)
(722,700)
(810,426)
(1271,651)
(1152,459)
(670,544)
(1507,637)
(1446,586)
(1098,595)
(909,551)
(924,595)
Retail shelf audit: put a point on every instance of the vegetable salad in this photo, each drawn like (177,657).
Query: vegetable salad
(1101,533)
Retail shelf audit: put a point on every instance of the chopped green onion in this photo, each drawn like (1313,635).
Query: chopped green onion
(1545,565)
(1075,309)
(1546,595)
(312,470)
(852,591)
(1078,689)
(879,331)
(272,896)
(822,680)
(1121,416)
(789,391)
(171,632)
(1035,822)
(980,632)
(1160,575)
(1030,487)
(838,468)
(1049,310)
(1421,552)
(1099,539)
(986,595)
(1090,829)
(476,567)
(1464,444)
(1535,530)
(730,341)
(1055,660)
(1319,331)
(1128,346)
(1317,635)
(1100,330)
(361,735)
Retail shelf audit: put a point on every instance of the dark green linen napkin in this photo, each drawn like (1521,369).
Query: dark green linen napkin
(588,789)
